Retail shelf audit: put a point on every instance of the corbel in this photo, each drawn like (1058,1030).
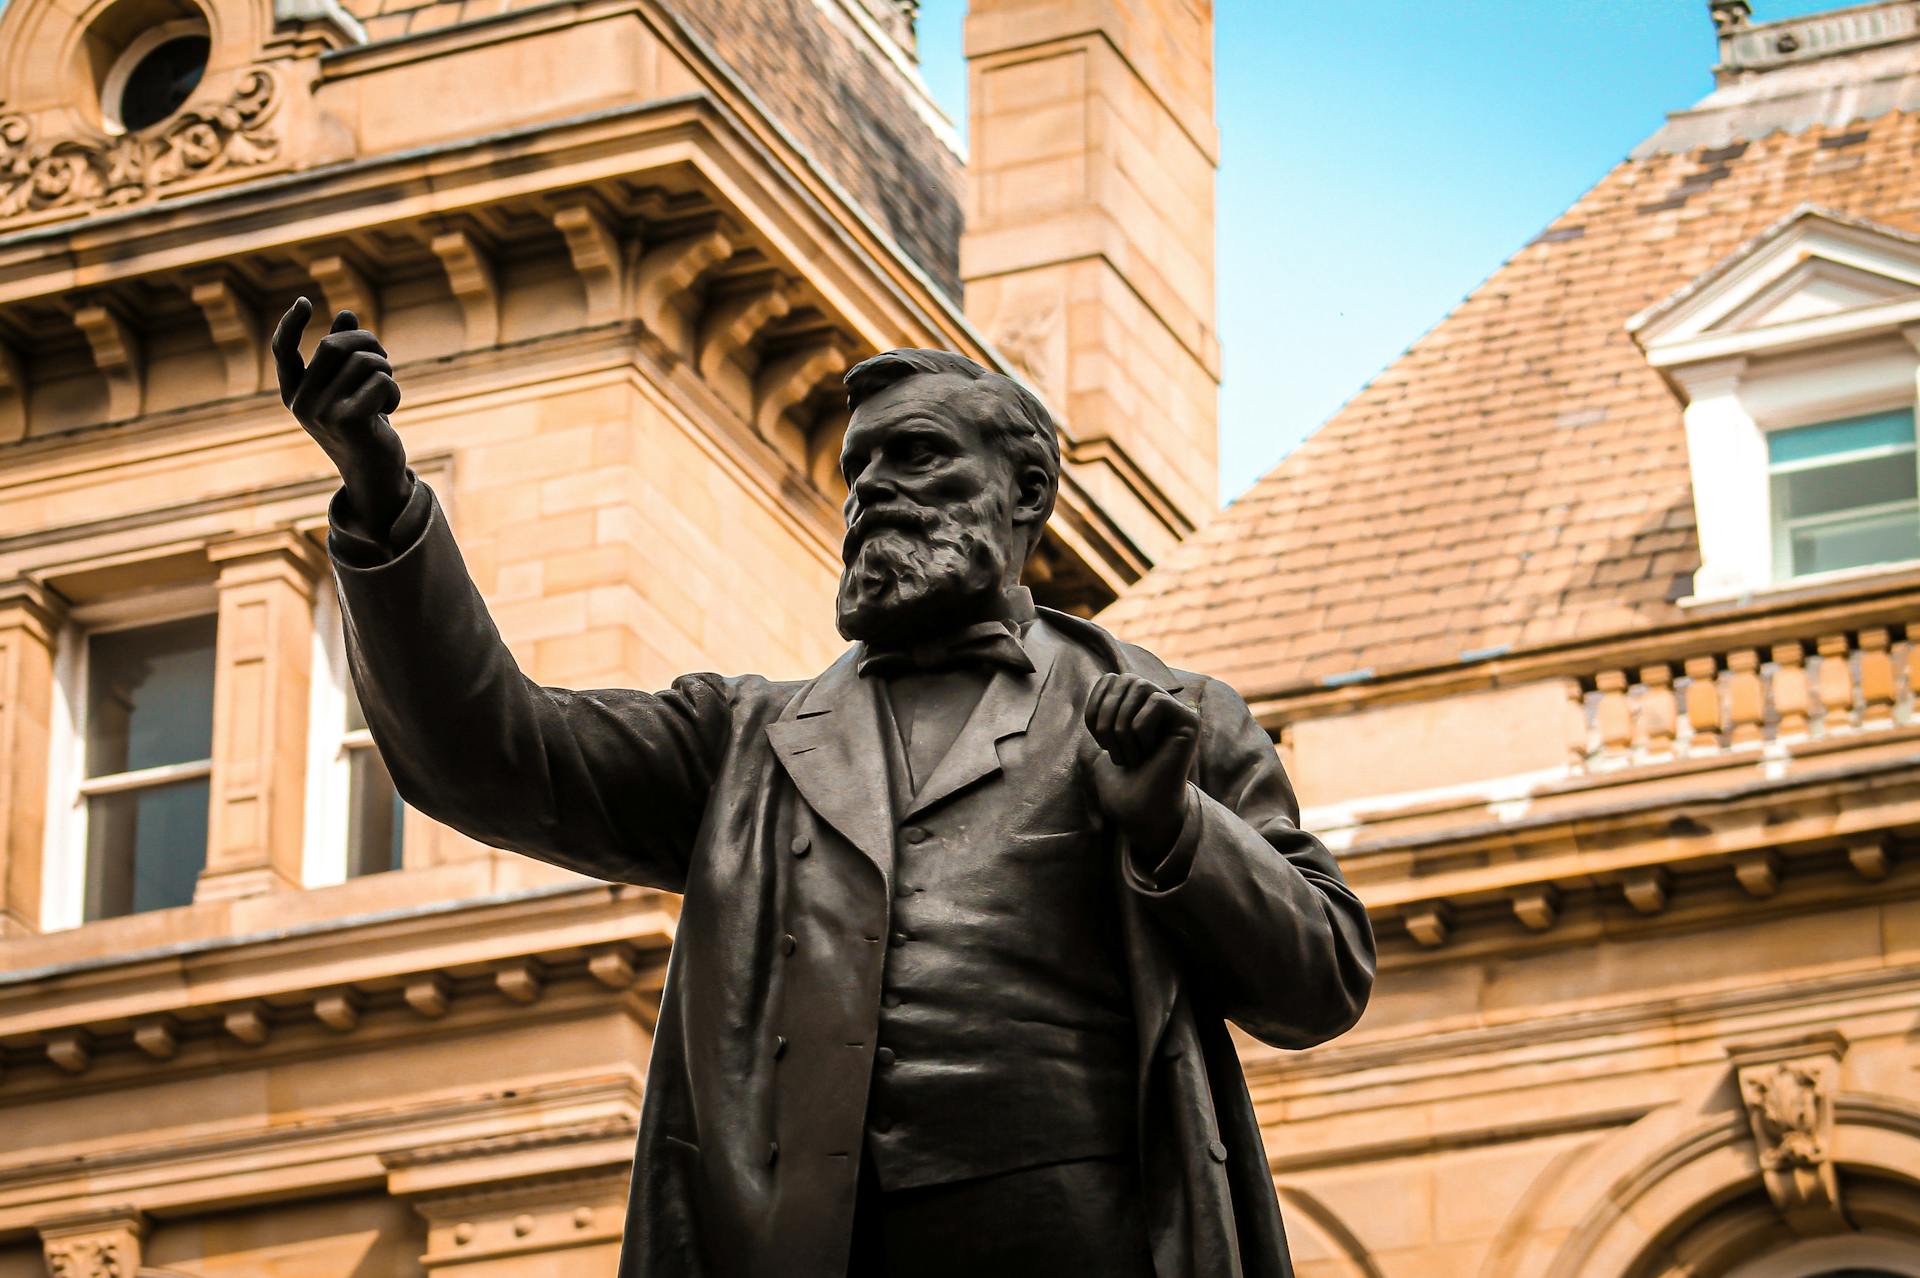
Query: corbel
(1758,872)
(429,995)
(728,328)
(246,1024)
(593,245)
(784,382)
(1646,889)
(156,1038)
(614,967)
(101,1242)
(663,277)
(1428,924)
(1870,857)
(116,354)
(1537,907)
(475,284)
(235,327)
(13,394)
(70,1050)
(345,287)
(519,980)
(339,1011)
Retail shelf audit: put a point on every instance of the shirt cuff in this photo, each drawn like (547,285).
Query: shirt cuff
(358,546)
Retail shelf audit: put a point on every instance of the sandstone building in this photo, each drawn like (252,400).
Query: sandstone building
(1591,631)
(256,1017)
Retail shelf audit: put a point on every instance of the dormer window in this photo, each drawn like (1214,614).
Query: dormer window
(1796,360)
(1845,494)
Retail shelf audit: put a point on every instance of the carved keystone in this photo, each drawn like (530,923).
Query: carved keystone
(1788,1089)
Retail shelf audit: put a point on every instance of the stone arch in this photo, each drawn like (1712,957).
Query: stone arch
(1668,1197)
(1307,1215)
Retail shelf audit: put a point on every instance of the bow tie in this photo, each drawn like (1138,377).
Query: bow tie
(990,643)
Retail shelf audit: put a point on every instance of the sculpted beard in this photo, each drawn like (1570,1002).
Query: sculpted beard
(911,568)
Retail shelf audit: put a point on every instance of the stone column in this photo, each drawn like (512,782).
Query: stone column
(263,671)
(30,620)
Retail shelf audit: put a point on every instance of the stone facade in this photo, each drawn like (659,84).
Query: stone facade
(622,251)
(1640,849)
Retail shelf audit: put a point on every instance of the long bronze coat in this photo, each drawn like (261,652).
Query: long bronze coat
(766,805)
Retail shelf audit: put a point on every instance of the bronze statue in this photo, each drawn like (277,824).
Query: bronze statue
(964,917)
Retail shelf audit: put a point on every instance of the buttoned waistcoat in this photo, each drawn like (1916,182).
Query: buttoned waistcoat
(765,804)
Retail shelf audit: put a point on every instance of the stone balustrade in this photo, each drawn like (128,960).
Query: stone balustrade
(1803,688)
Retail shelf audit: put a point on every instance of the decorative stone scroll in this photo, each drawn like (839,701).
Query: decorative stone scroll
(1788,1090)
(40,176)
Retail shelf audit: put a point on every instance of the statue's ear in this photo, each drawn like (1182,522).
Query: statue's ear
(1032,496)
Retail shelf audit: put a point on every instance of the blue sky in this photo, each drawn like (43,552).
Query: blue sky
(1379,159)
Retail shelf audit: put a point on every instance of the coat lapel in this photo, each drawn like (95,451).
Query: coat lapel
(828,740)
(1005,709)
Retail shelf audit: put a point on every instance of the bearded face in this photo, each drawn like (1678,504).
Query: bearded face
(914,570)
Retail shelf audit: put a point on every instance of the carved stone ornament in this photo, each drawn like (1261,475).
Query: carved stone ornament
(1789,1101)
(1027,339)
(40,176)
(98,1244)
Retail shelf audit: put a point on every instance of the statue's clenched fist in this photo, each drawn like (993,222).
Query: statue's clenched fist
(342,399)
(1150,738)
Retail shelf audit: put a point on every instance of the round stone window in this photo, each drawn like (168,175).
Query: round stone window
(154,76)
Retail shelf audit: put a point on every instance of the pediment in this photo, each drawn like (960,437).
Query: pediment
(1813,266)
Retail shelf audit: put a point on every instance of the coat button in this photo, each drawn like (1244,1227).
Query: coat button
(884,1056)
(1216,1151)
(898,939)
(801,845)
(773,1153)
(779,1046)
(915,834)
(791,944)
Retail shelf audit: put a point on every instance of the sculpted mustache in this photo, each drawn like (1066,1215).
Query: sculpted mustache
(912,518)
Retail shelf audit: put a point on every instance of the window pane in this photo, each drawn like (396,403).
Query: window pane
(1854,543)
(373,815)
(1845,486)
(150,696)
(1849,434)
(145,848)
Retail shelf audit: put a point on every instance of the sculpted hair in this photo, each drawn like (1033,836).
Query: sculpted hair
(1019,424)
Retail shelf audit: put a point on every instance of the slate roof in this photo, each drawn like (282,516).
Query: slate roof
(1518,477)
(852,111)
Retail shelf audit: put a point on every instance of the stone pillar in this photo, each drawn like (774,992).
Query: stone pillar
(1088,255)
(30,619)
(263,670)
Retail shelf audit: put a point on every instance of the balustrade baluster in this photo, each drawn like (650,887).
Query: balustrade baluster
(1836,683)
(1876,676)
(1615,716)
(1579,735)
(1790,689)
(1703,703)
(1747,695)
(1658,711)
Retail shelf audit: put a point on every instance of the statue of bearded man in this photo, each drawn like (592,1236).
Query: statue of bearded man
(965,915)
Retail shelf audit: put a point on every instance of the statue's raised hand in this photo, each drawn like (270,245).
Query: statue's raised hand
(1149,739)
(342,399)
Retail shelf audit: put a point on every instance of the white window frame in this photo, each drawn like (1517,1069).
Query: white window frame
(330,748)
(1782,532)
(63,880)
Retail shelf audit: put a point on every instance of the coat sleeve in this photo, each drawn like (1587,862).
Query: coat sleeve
(1271,935)
(609,783)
